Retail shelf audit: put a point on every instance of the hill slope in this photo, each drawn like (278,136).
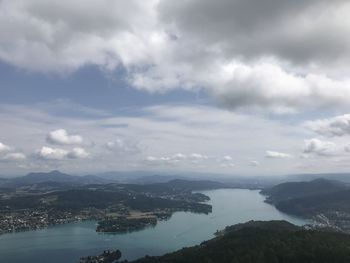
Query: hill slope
(326,202)
(52,177)
(292,190)
(195,185)
(264,242)
(316,204)
(344,177)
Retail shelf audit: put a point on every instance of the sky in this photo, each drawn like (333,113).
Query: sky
(238,87)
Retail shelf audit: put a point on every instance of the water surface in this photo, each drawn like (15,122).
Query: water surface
(66,243)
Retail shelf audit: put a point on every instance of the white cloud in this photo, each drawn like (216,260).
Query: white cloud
(227,162)
(318,147)
(78,153)
(4,148)
(49,153)
(227,158)
(168,159)
(16,156)
(65,35)
(52,153)
(289,56)
(266,85)
(254,163)
(169,133)
(163,160)
(227,165)
(336,126)
(277,155)
(61,137)
(151,158)
(177,158)
(8,154)
(122,146)
(198,156)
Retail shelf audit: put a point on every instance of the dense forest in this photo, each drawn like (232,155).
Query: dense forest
(325,202)
(291,190)
(264,242)
(143,198)
(312,205)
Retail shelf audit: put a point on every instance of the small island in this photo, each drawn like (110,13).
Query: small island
(108,256)
(125,224)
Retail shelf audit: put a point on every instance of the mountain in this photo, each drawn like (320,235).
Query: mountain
(326,202)
(292,190)
(196,185)
(93,179)
(52,177)
(318,204)
(264,242)
(171,187)
(344,177)
(153,179)
(56,180)
(124,176)
(3,181)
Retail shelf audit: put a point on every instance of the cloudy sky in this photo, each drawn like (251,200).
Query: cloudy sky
(254,87)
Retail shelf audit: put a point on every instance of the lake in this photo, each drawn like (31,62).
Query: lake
(66,243)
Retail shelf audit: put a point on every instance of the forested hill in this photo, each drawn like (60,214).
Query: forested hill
(338,202)
(264,242)
(196,185)
(292,190)
(326,202)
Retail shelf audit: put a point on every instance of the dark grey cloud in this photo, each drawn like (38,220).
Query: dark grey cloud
(332,127)
(298,31)
(318,147)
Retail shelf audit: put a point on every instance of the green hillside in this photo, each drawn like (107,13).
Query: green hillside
(264,242)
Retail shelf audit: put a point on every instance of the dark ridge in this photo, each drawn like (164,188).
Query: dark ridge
(264,242)
(292,190)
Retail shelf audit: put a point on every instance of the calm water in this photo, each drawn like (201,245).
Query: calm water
(66,243)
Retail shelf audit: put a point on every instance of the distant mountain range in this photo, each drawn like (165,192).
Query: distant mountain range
(147,177)
(59,179)
(53,178)
(344,177)
(153,179)
(56,179)
(196,185)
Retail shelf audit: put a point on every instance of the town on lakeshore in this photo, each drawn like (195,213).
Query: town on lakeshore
(116,207)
